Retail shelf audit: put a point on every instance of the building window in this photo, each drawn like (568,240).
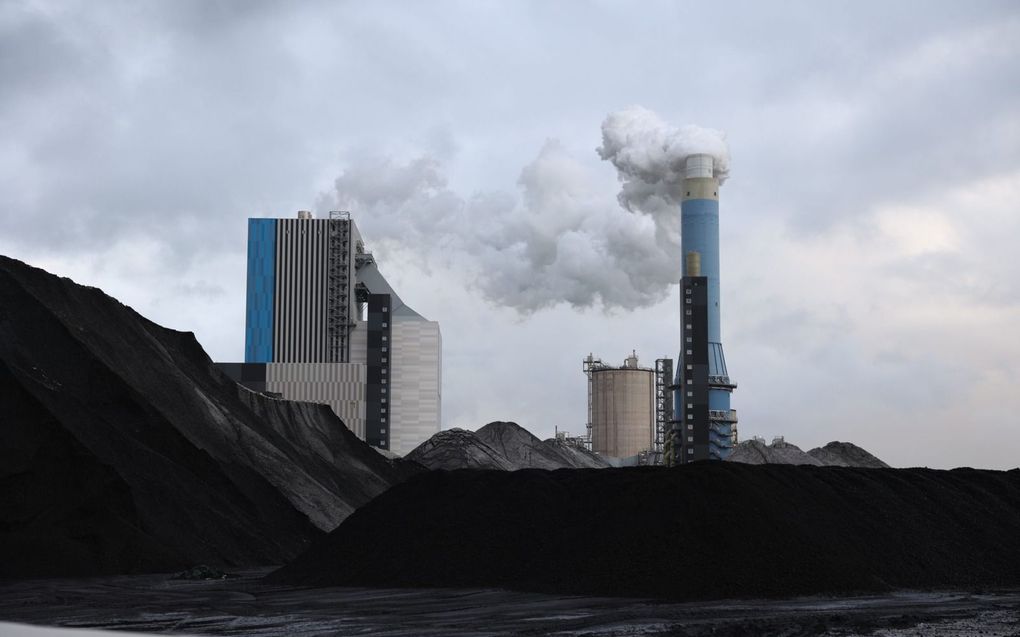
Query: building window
(384,370)
(688,326)
(690,382)
(384,381)
(385,338)
(690,427)
(688,312)
(687,291)
(385,324)
(385,309)
(688,301)
(690,416)
(384,390)
(690,438)
(384,359)
(690,352)
(382,431)
(690,367)
(690,339)
(383,399)
(690,405)
(689,394)
(384,349)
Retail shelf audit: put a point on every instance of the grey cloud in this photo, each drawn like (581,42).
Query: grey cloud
(164,125)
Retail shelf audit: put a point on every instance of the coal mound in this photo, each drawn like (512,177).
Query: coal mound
(458,449)
(845,454)
(505,446)
(524,450)
(701,531)
(123,449)
(757,452)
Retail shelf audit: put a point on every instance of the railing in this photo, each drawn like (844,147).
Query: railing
(725,415)
(721,380)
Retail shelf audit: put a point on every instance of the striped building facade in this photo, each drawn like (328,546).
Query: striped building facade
(319,322)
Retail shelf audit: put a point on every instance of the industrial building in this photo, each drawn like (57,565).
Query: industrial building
(704,426)
(323,325)
(621,407)
(684,417)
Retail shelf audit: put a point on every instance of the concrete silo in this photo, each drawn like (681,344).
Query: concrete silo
(621,407)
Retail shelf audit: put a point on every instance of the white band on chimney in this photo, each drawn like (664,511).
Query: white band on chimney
(698,166)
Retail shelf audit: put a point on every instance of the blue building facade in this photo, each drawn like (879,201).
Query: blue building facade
(258,332)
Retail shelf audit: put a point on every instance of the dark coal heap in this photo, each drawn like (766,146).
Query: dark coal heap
(122,449)
(526,451)
(458,449)
(707,530)
(500,445)
(845,454)
(834,454)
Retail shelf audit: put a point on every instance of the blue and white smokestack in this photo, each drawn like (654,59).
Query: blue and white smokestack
(699,233)
(699,218)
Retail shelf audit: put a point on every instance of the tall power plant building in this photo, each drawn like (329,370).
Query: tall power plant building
(323,325)
(704,426)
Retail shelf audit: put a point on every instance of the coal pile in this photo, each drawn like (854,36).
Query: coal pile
(779,452)
(524,450)
(458,449)
(505,446)
(124,450)
(707,530)
(576,457)
(845,454)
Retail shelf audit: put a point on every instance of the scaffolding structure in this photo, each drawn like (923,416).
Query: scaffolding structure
(590,365)
(664,418)
(338,285)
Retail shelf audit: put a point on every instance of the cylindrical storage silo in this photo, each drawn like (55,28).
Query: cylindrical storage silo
(622,410)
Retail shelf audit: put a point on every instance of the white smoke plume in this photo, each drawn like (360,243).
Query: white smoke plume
(565,239)
(649,156)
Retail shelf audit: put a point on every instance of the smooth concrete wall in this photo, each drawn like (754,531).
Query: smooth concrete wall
(416,365)
(623,411)
(359,343)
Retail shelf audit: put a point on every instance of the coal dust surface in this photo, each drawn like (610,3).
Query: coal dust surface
(124,450)
(702,531)
(246,605)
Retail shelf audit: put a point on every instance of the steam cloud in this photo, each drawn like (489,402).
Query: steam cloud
(565,240)
(649,156)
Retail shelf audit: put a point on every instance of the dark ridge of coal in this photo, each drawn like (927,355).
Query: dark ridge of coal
(505,446)
(845,454)
(576,457)
(702,531)
(779,452)
(458,449)
(524,450)
(123,449)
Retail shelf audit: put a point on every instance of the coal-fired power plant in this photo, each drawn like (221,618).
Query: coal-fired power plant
(691,400)
(704,425)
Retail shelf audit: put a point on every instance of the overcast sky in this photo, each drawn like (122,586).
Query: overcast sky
(870,223)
